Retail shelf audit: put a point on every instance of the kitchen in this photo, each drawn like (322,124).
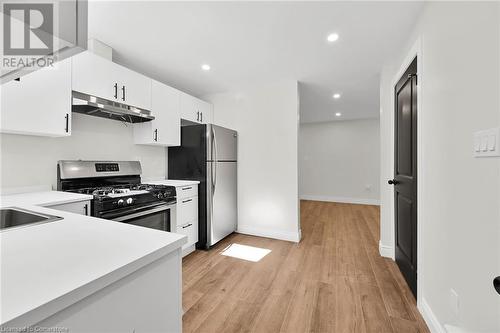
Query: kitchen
(89,106)
(114,190)
(230,166)
(90,150)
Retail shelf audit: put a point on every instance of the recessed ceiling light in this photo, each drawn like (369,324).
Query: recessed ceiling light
(336,96)
(332,37)
(205,67)
(338,114)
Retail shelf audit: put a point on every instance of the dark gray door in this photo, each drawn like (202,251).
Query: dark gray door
(405,175)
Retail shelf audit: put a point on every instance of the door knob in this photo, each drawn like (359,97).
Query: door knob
(496,284)
(392,182)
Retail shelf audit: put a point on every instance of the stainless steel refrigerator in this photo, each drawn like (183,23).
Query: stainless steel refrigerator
(208,153)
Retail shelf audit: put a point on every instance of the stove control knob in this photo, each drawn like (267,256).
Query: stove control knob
(121,202)
(130,201)
(159,195)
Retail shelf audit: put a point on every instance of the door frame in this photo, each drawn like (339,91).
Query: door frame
(415,51)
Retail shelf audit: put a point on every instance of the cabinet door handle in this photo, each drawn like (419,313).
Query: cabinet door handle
(187,226)
(198,116)
(116,90)
(86,209)
(67,123)
(188,200)
(186,188)
(201,116)
(156,135)
(123,93)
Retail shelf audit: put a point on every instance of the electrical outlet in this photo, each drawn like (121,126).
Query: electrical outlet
(454,302)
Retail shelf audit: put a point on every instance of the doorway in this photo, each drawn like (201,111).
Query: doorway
(405,175)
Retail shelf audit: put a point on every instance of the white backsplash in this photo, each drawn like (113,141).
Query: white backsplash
(32,160)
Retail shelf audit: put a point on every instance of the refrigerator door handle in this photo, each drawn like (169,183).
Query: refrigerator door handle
(214,160)
(210,203)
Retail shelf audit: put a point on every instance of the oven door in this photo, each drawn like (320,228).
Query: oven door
(155,217)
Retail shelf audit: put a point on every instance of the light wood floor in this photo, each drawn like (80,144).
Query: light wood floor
(332,281)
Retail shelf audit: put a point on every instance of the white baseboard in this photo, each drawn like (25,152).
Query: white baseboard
(430,318)
(357,201)
(385,251)
(269,233)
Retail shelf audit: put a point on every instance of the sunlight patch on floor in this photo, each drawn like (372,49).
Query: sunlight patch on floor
(245,252)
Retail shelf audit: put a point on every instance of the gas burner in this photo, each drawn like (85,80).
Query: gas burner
(121,190)
(103,191)
(141,187)
(125,193)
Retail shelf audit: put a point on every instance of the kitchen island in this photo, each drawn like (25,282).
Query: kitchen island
(84,274)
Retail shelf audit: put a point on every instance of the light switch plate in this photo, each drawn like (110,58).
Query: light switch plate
(487,143)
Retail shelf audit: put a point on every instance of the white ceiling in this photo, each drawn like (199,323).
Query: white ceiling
(248,43)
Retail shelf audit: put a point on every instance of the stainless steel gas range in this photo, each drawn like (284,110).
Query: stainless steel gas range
(118,192)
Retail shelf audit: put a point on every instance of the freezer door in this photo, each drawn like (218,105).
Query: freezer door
(222,144)
(221,200)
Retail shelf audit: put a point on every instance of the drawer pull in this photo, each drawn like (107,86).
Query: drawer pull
(188,200)
(186,188)
(187,226)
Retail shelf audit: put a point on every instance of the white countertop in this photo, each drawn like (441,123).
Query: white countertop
(42,198)
(47,267)
(172,182)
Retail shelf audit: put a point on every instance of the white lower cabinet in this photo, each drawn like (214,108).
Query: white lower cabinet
(38,103)
(135,303)
(187,209)
(80,207)
(187,216)
(191,231)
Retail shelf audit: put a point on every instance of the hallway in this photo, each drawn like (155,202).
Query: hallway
(333,281)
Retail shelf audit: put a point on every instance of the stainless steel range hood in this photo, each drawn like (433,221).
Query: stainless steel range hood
(100,107)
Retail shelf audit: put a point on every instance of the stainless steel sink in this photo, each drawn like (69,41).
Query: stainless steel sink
(14,217)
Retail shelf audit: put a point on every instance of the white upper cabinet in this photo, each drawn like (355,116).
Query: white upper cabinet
(165,129)
(38,103)
(196,110)
(134,89)
(97,76)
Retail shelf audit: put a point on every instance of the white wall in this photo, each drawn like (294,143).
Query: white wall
(340,161)
(31,160)
(459,85)
(266,118)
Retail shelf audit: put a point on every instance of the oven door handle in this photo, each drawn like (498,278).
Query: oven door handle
(114,214)
(141,213)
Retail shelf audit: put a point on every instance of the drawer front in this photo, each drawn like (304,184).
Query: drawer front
(187,191)
(187,210)
(191,231)
(81,207)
